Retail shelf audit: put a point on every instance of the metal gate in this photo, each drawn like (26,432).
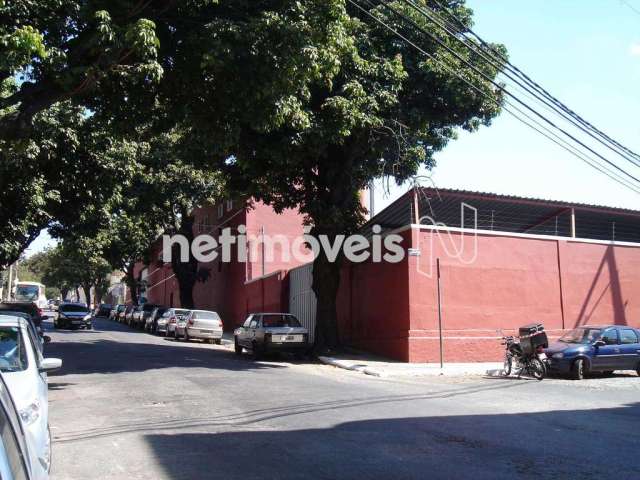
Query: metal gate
(302,300)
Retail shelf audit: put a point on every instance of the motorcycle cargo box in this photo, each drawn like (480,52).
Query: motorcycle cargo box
(533,336)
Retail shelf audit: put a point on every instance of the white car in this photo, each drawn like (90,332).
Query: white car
(14,451)
(201,324)
(171,319)
(24,370)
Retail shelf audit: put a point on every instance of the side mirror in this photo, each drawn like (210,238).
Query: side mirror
(50,364)
(599,343)
(46,339)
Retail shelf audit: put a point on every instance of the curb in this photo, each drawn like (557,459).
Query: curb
(376,372)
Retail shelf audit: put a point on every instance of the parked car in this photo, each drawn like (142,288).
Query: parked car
(16,457)
(201,325)
(122,315)
(128,314)
(604,348)
(103,310)
(35,314)
(113,313)
(174,317)
(151,324)
(141,314)
(36,333)
(24,370)
(72,316)
(271,332)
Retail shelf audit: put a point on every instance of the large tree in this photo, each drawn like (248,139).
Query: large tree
(330,100)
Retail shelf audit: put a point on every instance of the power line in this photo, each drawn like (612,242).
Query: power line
(612,175)
(440,42)
(510,66)
(635,9)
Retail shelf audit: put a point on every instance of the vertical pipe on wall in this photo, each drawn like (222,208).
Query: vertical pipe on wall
(573,223)
(440,314)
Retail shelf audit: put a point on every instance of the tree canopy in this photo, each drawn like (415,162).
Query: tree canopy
(330,100)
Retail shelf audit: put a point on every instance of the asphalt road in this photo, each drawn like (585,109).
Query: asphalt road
(131,406)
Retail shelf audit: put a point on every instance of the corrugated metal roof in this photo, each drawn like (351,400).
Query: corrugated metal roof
(499,196)
(508,213)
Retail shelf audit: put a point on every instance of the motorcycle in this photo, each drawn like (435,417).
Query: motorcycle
(516,358)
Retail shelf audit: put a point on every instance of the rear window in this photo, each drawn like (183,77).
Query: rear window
(73,308)
(13,356)
(280,321)
(206,316)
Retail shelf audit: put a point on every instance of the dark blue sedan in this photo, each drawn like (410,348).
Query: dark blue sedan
(603,348)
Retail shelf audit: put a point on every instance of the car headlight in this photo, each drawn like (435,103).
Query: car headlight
(87,317)
(30,413)
(558,356)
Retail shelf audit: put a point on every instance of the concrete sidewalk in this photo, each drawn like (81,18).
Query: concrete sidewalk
(379,367)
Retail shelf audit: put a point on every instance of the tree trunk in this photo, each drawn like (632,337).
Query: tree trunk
(326,281)
(131,283)
(87,293)
(186,272)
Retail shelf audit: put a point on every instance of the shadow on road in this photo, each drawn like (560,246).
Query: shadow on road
(108,356)
(542,445)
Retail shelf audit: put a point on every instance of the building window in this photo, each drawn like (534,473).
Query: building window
(229,205)
(220,210)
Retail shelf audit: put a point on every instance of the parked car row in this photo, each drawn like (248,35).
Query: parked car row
(179,323)
(25,437)
(260,333)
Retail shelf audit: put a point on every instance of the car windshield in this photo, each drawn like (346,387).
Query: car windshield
(73,308)
(205,316)
(280,321)
(581,335)
(13,357)
(27,292)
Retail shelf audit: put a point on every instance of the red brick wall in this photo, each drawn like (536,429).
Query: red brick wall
(227,290)
(511,282)
(373,306)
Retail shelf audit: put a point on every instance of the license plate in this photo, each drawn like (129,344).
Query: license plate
(206,331)
(290,338)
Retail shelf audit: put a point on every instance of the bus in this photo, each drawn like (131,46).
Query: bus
(30,292)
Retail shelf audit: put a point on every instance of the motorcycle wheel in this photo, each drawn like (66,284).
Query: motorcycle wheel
(537,369)
(508,365)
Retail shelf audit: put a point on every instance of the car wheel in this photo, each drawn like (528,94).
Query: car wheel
(256,351)
(578,369)
(537,369)
(89,327)
(507,366)
(238,349)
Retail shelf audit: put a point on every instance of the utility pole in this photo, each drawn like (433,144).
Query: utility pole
(9,283)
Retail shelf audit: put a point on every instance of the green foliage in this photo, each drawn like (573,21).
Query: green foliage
(329,100)
(76,263)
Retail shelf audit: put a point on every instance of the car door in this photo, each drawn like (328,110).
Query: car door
(629,348)
(253,327)
(243,331)
(607,357)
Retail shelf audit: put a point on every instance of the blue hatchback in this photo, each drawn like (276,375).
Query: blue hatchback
(595,349)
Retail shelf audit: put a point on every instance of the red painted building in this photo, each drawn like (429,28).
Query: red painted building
(503,262)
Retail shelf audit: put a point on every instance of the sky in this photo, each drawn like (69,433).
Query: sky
(587,54)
